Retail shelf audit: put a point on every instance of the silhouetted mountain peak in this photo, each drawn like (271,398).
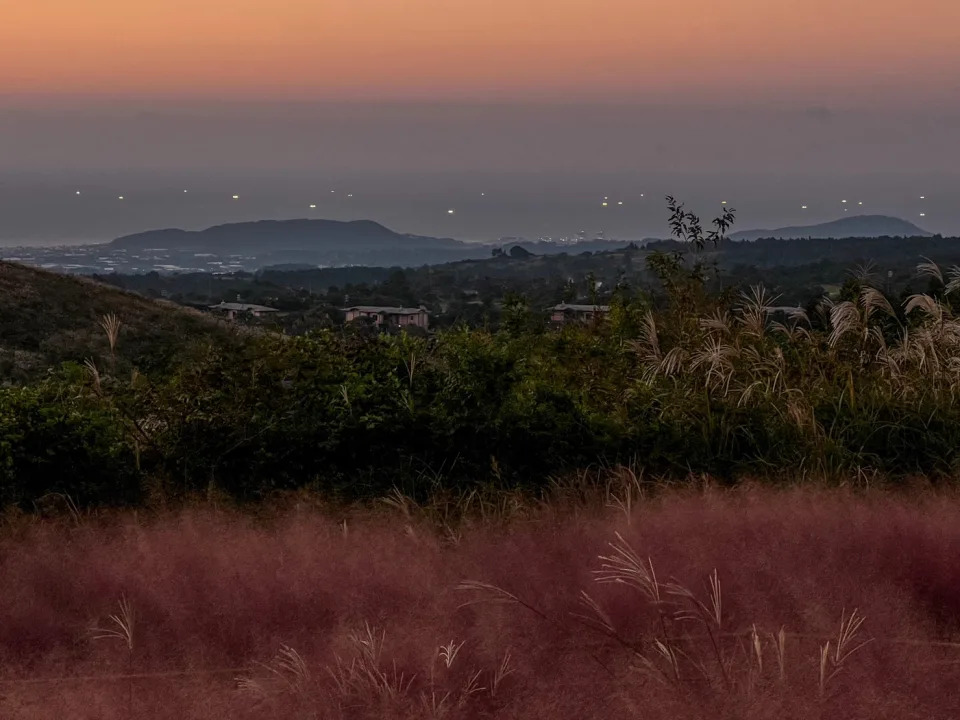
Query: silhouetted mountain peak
(858,226)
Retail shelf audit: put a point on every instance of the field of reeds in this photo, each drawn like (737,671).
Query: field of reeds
(747,603)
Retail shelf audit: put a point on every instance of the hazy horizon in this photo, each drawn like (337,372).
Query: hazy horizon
(505,168)
(416,108)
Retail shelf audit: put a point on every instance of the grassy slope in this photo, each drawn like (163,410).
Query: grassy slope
(46,319)
(214,594)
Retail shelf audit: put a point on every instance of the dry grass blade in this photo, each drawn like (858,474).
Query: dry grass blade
(930,269)
(846,645)
(471,686)
(397,500)
(718,322)
(121,627)
(362,677)
(710,615)
(844,318)
(597,617)
(286,672)
(824,663)
(716,598)
(755,307)
(253,687)
(668,669)
(503,671)
(623,565)
(448,653)
(757,647)
(648,343)
(111,327)
(780,644)
(953,283)
(290,666)
(94,376)
(489,593)
(926,304)
(872,300)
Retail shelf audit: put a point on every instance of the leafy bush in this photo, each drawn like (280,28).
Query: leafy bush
(51,442)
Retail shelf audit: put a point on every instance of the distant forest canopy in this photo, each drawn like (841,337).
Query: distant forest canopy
(797,272)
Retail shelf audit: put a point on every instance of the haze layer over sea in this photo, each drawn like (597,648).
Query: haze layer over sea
(510,168)
(88,207)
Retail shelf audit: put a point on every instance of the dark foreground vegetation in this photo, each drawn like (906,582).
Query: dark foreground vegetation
(684,380)
(146,403)
(738,605)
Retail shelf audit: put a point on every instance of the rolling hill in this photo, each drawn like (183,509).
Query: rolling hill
(318,242)
(333,243)
(48,319)
(859,226)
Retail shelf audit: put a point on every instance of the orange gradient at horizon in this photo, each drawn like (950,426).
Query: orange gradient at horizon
(473,48)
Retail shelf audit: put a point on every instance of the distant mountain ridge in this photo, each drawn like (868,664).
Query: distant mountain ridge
(273,234)
(333,243)
(318,242)
(858,226)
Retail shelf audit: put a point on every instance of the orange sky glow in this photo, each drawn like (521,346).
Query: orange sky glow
(330,49)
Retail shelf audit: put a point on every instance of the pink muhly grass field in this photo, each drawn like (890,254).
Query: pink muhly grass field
(207,614)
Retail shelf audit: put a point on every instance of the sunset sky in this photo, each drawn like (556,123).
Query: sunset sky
(361,49)
(784,106)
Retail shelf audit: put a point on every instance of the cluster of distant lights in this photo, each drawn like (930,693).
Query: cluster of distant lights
(313,206)
(606,202)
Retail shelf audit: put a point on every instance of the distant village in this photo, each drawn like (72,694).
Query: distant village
(385,317)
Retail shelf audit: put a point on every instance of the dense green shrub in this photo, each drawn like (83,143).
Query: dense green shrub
(52,442)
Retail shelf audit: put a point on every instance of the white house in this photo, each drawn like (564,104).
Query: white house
(565,312)
(232,309)
(384,316)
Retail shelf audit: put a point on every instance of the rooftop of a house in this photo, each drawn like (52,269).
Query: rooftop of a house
(567,307)
(242,307)
(383,310)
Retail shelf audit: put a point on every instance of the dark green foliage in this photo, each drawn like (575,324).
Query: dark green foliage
(54,441)
(692,376)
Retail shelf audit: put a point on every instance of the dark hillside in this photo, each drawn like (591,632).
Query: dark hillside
(46,319)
